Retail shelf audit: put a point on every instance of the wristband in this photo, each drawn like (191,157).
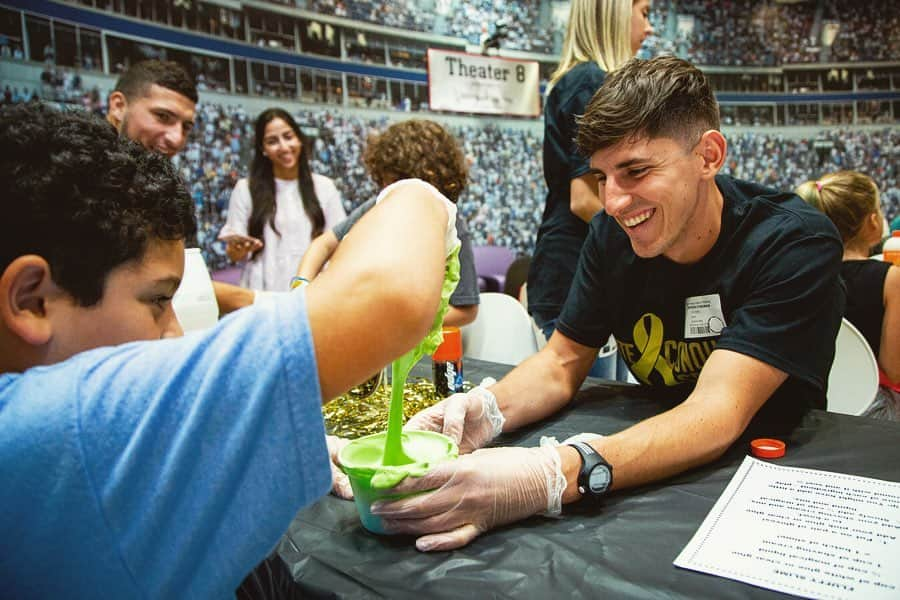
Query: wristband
(298,281)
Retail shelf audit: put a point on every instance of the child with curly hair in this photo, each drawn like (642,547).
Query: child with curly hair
(415,149)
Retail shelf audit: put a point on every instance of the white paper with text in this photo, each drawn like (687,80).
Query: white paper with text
(806,532)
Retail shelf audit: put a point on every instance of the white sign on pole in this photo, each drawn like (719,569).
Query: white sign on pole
(471,83)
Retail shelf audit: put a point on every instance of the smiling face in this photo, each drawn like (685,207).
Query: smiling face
(159,120)
(663,195)
(640,24)
(282,146)
(136,305)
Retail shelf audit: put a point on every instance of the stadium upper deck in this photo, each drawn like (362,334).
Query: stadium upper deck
(369,53)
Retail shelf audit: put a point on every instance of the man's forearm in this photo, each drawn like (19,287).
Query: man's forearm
(457,316)
(692,433)
(543,383)
(679,439)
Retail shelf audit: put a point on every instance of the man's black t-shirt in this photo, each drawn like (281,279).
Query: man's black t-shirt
(561,233)
(769,288)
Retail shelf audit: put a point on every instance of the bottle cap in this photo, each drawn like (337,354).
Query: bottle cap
(451,348)
(767,448)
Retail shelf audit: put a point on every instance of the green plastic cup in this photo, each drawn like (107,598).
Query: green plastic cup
(361,461)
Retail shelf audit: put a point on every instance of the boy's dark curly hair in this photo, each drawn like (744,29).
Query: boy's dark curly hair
(83,198)
(417,148)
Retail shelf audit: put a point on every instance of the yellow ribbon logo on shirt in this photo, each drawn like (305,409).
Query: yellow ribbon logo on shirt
(648,338)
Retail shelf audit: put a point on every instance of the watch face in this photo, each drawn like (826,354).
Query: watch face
(599,479)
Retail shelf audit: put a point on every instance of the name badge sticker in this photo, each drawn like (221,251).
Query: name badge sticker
(703,316)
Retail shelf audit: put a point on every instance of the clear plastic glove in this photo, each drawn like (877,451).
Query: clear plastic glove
(472,419)
(340,483)
(473,494)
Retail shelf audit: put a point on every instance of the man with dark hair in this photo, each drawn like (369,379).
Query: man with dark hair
(722,293)
(170,468)
(154,103)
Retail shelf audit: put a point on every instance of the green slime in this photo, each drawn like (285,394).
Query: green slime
(362,458)
(371,480)
(394,453)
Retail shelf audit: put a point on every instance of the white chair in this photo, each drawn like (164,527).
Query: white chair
(606,358)
(853,380)
(195,300)
(502,332)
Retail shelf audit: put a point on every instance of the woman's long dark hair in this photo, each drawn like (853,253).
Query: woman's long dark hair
(262,180)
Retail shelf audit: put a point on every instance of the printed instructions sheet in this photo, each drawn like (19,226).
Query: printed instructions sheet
(811,533)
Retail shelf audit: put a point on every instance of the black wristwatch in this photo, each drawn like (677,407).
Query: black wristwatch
(595,476)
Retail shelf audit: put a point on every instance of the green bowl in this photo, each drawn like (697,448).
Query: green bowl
(370,480)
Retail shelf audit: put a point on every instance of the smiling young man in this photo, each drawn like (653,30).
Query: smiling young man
(154,104)
(164,468)
(720,292)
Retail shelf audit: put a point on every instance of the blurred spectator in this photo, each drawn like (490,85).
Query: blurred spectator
(723,32)
(867,30)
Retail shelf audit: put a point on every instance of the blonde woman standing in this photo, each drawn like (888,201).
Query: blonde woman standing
(601,36)
(851,201)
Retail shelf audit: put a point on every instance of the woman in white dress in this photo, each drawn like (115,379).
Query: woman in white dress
(276,212)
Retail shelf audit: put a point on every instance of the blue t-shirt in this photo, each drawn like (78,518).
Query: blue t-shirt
(164,469)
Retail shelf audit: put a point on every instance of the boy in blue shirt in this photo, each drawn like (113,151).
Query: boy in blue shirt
(169,468)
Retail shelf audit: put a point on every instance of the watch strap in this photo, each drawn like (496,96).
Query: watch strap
(590,459)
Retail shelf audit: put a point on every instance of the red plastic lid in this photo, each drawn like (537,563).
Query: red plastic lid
(767,448)
(451,348)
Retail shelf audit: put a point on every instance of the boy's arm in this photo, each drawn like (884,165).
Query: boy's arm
(231,297)
(319,252)
(584,201)
(457,316)
(380,295)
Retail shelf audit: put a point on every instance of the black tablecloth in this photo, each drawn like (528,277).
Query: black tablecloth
(622,548)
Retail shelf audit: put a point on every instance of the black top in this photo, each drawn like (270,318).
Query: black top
(561,233)
(865,297)
(769,288)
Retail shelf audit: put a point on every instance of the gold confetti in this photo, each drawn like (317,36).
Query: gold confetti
(353,415)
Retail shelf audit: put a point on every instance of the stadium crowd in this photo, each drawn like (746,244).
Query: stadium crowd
(706,32)
(745,32)
(726,33)
(868,30)
(504,200)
